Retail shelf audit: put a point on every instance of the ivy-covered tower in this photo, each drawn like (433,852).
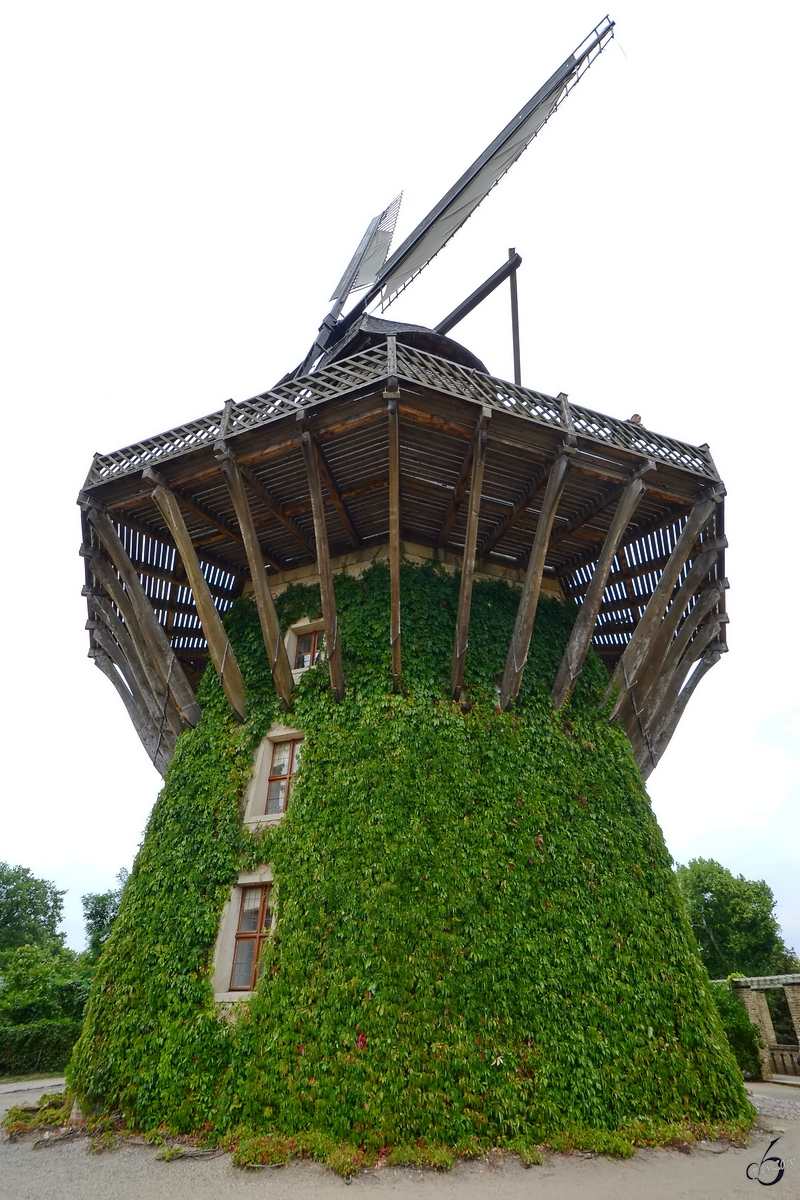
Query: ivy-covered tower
(404,639)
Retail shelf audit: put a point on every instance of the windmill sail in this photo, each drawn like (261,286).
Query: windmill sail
(366,263)
(447,217)
(367,268)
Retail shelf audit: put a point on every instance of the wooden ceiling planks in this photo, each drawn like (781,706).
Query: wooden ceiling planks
(342,412)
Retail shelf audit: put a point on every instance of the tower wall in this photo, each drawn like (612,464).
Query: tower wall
(478,930)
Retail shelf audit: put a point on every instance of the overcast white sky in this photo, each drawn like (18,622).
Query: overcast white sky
(184,184)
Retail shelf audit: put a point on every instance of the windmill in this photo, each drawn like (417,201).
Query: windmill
(386,277)
(392,446)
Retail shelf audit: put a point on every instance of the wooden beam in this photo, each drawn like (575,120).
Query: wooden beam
(650,756)
(333,649)
(335,495)
(158,704)
(176,578)
(586,557)
(158,755)
(160,536)
(596,506)
(105,576)
(457,497)
(538,479)
(663,640)
(162,738)
(267,615)
(523,626)
(468,562)
(161,653)
(583,629)
(207,514)
(277,510)
(395,530)
(634,654)
(643,730)
(621,575)
(219,647)
(650,700)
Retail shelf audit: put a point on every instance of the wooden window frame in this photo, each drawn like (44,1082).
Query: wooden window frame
(317,639)
(258,935)
(288,776)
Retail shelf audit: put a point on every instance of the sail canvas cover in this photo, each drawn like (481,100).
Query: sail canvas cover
(365,265)
(468,198)
(447,217)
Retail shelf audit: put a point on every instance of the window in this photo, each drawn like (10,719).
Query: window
(308,649)
(285,761)
(255,921)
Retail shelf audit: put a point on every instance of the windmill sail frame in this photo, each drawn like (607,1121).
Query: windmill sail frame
(435,231)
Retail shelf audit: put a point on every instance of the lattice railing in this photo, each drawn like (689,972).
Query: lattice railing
(413,366)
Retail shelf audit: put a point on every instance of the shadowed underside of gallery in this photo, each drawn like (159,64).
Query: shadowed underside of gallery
(391,448)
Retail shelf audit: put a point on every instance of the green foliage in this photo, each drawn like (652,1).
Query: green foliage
(734,922)
(42,998)
(40,1046)
(781,1017)
(479,939)
(30,909)
(99,913)
(43,985)
(743,1036)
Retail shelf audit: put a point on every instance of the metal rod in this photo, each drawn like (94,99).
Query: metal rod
(514,257)
(480,294)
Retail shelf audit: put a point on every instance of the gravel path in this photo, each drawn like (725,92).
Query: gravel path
(713,1171)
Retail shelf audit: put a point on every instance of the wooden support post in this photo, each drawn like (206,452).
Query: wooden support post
(512,254)
(335,495)
(208,515)
(649,757)
(115,638)
(163,739)
(333,649)
(599,503)
(538,480)
(634,654)
(159,756)
(219,647)
(395,526)
(104,574)
(267,615)
(457,497)
(581,636)
(653,661)
(523,626)
(272,505)
(645,724)
(163,657)
(468,562)
(650,699)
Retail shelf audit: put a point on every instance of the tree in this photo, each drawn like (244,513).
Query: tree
(43,984)
(99,913)
(733,921)
(30,909)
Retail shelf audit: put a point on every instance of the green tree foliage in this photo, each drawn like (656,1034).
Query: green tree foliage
(479,932)
(43,984)
(734,921)
(30,909)
(99,913)
(743,1036)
